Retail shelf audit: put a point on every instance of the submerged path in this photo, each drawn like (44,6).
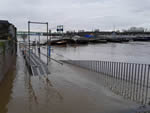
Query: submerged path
(68,89)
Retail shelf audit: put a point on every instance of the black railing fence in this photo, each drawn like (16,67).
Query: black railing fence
(129,80)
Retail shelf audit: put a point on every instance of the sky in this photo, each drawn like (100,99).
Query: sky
(77,14)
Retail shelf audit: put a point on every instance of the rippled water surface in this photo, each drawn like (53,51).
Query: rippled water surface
(136,52)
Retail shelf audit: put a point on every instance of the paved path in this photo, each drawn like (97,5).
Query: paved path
(68,89)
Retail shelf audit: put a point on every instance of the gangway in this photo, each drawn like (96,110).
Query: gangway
(36,65)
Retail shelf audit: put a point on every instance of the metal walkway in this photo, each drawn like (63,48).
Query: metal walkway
(37,66)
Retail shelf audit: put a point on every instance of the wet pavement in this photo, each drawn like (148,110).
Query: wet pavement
(68,89)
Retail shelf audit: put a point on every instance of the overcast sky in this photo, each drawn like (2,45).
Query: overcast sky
(78,14)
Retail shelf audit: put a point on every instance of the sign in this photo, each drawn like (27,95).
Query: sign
(60,28)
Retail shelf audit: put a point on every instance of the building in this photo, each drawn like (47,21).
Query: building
(8,47)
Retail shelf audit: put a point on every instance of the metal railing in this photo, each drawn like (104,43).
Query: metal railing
(129,80)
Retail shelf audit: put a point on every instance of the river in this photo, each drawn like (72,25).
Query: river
(132,52)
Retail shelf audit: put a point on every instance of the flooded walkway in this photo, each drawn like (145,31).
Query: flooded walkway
(68,89)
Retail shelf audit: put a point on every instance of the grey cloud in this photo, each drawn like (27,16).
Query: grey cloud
(78,14)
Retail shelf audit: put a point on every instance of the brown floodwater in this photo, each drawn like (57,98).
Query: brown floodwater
(68,89)
(131,52)
(6,86)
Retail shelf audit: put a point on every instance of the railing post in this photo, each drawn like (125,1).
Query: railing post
(147,85)
(140,83)
(135,72)
(144,79)
(132,80)
(138,74)
(128,79)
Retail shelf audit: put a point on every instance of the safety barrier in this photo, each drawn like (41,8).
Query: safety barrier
(129,80)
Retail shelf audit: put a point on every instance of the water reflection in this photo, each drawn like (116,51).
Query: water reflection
(41,92)
(6,86)
(21,91)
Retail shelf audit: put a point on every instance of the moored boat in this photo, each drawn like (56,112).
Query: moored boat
(82,41)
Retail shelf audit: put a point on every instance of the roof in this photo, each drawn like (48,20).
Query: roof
(4,22)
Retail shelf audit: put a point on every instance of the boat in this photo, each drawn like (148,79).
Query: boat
(70,41)
(62,42)
(114,40)
(125,40)
(82,41)
(141,39)
(93,40)
(97,41)
(58,42)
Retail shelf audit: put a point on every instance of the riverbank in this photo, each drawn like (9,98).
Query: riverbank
(68,89)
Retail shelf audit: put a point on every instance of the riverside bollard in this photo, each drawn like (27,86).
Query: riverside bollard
(39,51)
(49,52)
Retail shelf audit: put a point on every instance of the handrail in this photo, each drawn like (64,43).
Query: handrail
(130,80)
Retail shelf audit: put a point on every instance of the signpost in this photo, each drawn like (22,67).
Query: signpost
(60,29)
(50,44)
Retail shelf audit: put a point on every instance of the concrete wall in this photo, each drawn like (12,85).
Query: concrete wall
(1,59)
(7,54)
